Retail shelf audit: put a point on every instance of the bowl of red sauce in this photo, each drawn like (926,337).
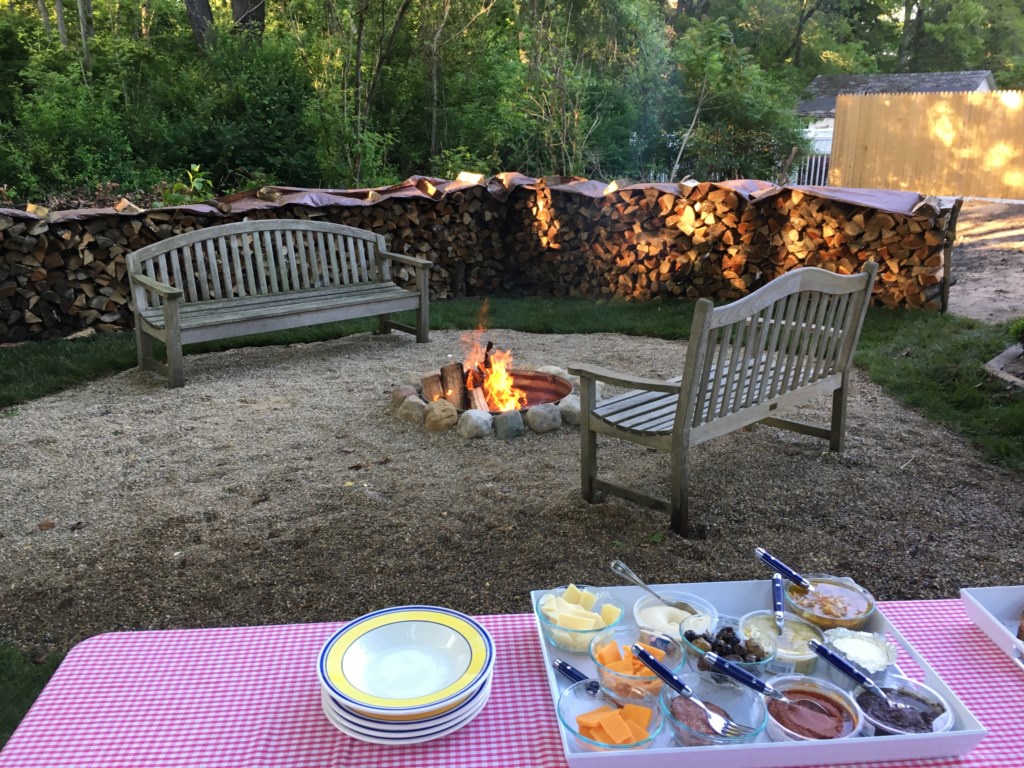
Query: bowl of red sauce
(823,711)
(835,601)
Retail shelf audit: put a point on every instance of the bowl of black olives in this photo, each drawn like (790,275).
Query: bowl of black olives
(753,653)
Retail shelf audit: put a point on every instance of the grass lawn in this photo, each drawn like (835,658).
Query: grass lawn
(933,363)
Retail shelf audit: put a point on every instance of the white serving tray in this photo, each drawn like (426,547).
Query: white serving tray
(997,612)
(737,598)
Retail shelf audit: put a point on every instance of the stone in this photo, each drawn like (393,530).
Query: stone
(554,370)
(544,418)
(400,394)
(413,379)
(412,411)
(569,408)
(509,424)
(440,416)
(474,423)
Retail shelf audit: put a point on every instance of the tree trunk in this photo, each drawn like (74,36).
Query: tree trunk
(913,21)
(44,17)
(200,18)
(249,15)
(62,27)
(85,28)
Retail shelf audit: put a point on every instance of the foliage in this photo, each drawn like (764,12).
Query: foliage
(197,189)
(343,94)
(21,680)
(1017,330)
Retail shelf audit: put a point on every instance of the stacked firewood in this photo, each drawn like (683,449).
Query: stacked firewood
(512,235)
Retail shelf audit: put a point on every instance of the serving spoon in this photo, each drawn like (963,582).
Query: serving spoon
(619,568)
(855,674)
(750,680)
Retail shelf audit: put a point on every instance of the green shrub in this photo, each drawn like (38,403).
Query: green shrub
(1017,330)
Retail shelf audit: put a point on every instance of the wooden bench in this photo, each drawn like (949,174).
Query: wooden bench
(787,343)
(256,276)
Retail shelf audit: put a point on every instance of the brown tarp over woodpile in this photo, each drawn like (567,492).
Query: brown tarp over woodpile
(509,234)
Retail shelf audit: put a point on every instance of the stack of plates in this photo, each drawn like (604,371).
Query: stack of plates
(406,675)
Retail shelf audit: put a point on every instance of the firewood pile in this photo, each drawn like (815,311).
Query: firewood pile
(61,272)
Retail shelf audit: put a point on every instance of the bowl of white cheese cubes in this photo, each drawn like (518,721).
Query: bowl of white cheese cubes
(572,615)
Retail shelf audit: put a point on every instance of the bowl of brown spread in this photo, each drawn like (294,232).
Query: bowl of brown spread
(821,711)
(835,601)
(925,711)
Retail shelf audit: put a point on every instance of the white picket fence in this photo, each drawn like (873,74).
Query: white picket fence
(813,171)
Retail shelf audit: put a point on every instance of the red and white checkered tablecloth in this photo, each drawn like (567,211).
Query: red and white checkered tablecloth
(248,697)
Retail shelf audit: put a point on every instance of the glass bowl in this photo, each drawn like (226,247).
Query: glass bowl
(869,652)
(847,712)
(584,697)
(837,601)
(743,705)
(695,653)
(880,720)
(619,675)
(570,638)
(651,613)
(794,654)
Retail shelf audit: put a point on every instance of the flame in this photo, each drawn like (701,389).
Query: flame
(490,370)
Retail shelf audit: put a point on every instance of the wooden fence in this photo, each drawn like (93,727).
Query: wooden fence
(961,144)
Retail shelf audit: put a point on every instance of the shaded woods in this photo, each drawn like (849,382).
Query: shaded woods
(351,93)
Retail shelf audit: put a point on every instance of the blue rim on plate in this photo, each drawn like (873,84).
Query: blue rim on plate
(428,720)
(351,731)
(371,728)
(480,662)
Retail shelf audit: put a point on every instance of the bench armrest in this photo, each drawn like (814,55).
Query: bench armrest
(401,258)
(623,379)
(163,289)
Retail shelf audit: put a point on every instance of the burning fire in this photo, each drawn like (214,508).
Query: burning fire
(488,369)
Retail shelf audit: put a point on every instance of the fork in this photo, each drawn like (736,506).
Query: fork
(619,568)
(720,725)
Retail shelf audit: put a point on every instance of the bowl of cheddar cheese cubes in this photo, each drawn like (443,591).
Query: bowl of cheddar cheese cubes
(599,723)
(621,673)
(572,615)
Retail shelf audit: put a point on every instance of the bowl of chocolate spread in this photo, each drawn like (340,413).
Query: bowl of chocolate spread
(822,711)
(925,711)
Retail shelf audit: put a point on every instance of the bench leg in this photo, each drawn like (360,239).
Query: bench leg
(382,325)
(680,482)
(423,323)
(837,432)
(588,440)
(143,347)
(175,359)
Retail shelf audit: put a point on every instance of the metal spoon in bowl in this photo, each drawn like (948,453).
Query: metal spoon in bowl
(777,565)
(855,674)
(720,725)
(780,614)
(750,680)
(619,568)
(593,686)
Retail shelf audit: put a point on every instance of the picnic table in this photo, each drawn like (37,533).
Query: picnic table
(242,697)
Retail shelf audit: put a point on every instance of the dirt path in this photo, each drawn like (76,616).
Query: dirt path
(988,262)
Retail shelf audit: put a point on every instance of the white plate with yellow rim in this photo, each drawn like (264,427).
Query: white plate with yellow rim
(381,735)
(431,721)
(406,662)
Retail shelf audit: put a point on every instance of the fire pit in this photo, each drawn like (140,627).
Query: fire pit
(526,388)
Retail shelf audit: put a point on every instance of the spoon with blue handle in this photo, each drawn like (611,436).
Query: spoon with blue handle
(593,686)
(780,615)
(854,674)
(750,680)
(720,725)
(773,562)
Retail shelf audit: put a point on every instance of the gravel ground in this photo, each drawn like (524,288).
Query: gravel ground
(278,486)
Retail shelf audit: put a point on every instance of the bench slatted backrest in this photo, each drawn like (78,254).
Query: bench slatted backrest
(256,258)
(799,330)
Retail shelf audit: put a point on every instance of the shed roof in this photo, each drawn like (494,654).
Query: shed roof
(824,88)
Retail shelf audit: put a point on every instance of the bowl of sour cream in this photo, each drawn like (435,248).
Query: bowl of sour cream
(651,613)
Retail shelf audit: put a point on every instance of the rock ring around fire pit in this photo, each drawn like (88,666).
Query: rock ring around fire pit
(545,401)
